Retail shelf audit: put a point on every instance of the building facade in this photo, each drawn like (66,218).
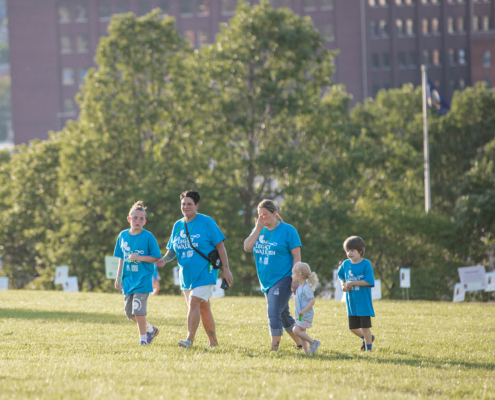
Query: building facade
(381,44)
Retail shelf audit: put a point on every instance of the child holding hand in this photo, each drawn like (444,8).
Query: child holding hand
(305,300)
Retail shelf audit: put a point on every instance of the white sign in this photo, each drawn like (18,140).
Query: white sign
(405,278)
(376,292)
(4,283)
(472,278)
(111,266)
(216,291)
(176,276)
(459,293)
(490,282)
(339,294)
(336,280)
(70,284)
(61,273)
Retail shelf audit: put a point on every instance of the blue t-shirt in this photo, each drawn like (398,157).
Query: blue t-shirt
(358,299)
(137,276)
(156,275)
(205,235)
(272,252)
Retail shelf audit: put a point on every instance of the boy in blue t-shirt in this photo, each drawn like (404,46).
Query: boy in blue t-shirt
(357,279)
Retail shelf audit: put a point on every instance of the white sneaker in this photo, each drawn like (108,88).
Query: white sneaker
(313,347)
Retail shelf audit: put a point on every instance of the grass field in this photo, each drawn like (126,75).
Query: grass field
(56,345)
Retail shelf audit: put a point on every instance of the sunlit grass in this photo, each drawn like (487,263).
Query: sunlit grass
(56,345)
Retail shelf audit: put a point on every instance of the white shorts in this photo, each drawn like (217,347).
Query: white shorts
(202,292)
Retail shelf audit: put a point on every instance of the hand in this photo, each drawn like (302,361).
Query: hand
(135,257)
(348,286)
(293,287)
(227,275)
(161,263)
(118,284)
(301,312)
(259,224)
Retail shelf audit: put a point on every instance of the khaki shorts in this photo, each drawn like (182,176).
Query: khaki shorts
(202,292)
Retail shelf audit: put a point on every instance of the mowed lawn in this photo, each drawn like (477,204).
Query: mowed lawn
(56,345)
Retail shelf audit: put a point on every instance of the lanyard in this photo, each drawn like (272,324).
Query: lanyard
(267,241)
(135,244)
(190,230)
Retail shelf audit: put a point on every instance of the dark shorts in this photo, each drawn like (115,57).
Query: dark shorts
(356,322)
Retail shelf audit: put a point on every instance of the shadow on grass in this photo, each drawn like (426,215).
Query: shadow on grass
(89,318)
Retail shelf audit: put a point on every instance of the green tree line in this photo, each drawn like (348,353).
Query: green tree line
(254,115)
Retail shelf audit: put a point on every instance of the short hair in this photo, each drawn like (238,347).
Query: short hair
(354,243)
(137,206)
(192,194)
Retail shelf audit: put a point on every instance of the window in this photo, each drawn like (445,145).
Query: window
(386,61)
(82,43)
(190,35)
(164,5)
(426,26)
(82,74)
(372,3)
(68,106)
(63,14)
(375,61)
(436,58)
(476,23)
(426,57)
(486,59)
(144,7)
(434,1)
(410,2)
(65,44)
(413,59)
(401,59)
(309,5)
(461,57)
(373,30)
(383,3)
(376,89)
(398,2)
(424,1)
(486,23)
(81,13)
(452,86)
(462,84)
(203,37)
(104,9)
(451,56)
(286,4)
(460,24)
(204,7)
(450,25)
(400,27)
(409,27)
(327,4)
(328,32)
(435,26)
(122,7)
(228,6)
(67,76)
(383,27)
(488,82)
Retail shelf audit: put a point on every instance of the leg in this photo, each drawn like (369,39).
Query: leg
(193,317)
(141,323)
(357,332)
(208,322)
(156,287)
(287,321)
(304,337)
(274,303)
(367,335)
(275,342)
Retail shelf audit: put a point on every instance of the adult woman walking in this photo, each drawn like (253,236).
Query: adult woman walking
(197,275)
(276,247)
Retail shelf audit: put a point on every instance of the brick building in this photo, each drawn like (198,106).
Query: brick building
(381,42)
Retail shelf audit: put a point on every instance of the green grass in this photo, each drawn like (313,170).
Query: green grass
(56,345)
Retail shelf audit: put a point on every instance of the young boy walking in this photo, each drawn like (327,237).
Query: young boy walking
(357,279)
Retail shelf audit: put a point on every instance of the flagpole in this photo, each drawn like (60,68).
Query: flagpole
(425,143)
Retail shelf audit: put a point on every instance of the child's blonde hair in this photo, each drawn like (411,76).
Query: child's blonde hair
(305,272)
(139,206)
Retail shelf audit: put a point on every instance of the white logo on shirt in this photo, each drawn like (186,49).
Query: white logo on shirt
(190,253)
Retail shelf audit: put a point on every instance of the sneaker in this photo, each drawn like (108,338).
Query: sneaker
(152,335)
(143,343)
(313,347)
(363,346)
(184,343)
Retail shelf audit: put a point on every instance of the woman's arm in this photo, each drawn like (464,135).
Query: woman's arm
(222,252)
(253,237)
(296,257)
(169,256)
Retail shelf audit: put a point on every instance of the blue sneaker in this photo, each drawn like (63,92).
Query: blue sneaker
(143,343)
(152,335)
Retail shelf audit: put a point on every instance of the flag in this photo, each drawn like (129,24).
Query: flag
(436,99)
